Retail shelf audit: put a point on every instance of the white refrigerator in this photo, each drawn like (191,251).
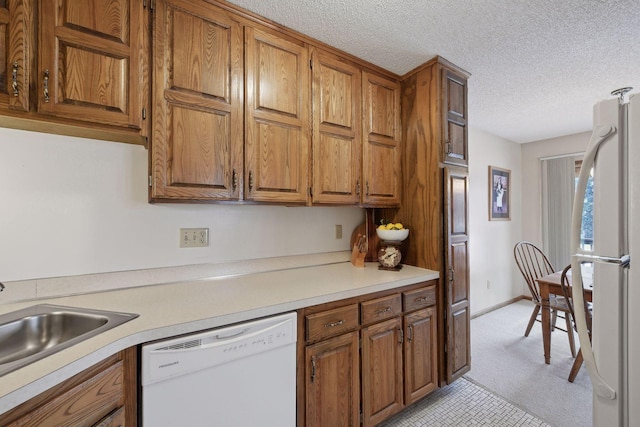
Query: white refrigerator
(613,357)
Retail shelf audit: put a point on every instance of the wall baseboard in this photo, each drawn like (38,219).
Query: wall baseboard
(497,306)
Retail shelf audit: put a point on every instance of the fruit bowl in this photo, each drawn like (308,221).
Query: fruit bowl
(392,235)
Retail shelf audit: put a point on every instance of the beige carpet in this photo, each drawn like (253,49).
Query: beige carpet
(512,366)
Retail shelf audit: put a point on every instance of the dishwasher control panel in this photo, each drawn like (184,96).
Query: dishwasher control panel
(203,350)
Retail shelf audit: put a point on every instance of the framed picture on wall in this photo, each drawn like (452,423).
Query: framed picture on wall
(499,194)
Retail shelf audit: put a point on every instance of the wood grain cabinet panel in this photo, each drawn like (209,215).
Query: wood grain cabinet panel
(277,130)
(196,150)
(420,354)
(16,38)
(337,130)
(457,274)
(454,91)
(382,373)
(381,135)
(332,382)
(91,59)
(103,395)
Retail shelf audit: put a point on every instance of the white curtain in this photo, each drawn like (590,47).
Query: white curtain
(558,188)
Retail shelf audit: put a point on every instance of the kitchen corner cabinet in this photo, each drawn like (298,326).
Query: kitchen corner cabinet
(277,132)
(16,41)
(86,75)
(103,395)
(381,138)
(388,339)
(196,149)
(435,201)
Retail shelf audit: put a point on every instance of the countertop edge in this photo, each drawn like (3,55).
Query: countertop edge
(69,362)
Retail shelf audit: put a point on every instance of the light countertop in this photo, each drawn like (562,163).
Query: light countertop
(167,310)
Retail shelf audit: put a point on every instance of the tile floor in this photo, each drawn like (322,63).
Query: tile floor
(462,404)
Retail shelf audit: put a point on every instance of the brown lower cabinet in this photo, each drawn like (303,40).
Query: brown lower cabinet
(364,359)
(101,396)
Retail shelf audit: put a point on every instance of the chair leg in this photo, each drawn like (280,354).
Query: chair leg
(532,320)
(554,317)
(572,344)
(576,367)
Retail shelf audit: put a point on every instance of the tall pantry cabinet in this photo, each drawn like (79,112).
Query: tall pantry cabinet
(435,198)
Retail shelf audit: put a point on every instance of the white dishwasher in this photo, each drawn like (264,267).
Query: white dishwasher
(236,376)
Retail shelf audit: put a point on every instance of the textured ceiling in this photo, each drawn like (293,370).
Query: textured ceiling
(537,66)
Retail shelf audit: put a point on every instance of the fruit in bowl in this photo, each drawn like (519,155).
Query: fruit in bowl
(392,232)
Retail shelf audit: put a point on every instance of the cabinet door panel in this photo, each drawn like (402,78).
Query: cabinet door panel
(107,89)
(90,60)
(277,118)
(457,272)
(332,382)
(201,54)
(454,98)
(381,133)
(382,378)
(196,149)
(15,42)
(201,150)
(421,364)
(337,118)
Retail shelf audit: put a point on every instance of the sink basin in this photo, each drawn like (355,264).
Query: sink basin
(36,332)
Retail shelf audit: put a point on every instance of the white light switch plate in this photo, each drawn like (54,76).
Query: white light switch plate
(194,237)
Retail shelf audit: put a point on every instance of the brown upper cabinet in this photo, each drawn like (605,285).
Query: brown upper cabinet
(88,75)
(382,133)
(337,130)
(16,21)
(91,61)
(196,150)
(235,102)
(454,98)
(206,145)
(277,125)
(346,169)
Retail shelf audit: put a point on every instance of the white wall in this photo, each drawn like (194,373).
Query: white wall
(74,206)
(491,242)
(532,153)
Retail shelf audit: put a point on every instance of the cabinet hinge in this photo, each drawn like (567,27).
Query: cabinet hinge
(311,64)
(150,181)
(144,113)
(311,191)
(151,4)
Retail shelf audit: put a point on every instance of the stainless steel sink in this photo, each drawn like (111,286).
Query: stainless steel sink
(36,332)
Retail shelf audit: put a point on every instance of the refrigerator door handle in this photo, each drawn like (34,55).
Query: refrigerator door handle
(623,261)
(600,135)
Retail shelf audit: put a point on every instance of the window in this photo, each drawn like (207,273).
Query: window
(586,234)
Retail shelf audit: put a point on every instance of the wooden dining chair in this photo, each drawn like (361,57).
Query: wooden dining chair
(588,314)
(534,264)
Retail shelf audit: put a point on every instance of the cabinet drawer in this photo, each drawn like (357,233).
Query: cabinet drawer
(419,298)
(381,308)
(331,322)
